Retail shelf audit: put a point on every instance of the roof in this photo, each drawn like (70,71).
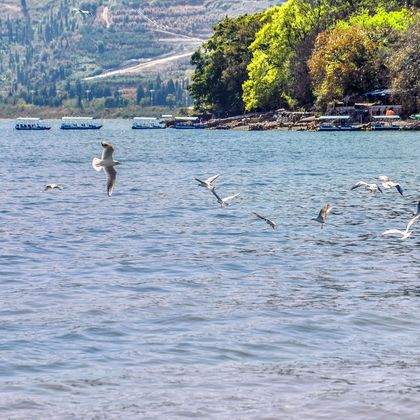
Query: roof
(77,118)
(145,119)
(27,119)
(386,117)
(334,117)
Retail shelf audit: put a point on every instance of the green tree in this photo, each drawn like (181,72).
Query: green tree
(220,66)
(404,64)
(349,59)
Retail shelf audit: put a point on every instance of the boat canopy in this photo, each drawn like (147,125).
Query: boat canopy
(78,118)
(386,117)
(145,119)
(28,119)
(334,117)
(186,119)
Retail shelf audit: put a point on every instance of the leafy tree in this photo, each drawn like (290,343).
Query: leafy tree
(404,63)
(220,66)
(349,58)
(278,72)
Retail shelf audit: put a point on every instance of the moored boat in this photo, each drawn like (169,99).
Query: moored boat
(385,122)
(337,123)
(79,123)
(30,124)
(188,123)
(142,123)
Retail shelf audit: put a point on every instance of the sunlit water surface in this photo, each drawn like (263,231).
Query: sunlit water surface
(157,303)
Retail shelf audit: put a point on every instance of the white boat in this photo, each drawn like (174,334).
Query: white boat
(337,123)
(146,123)
(385,122)
(30,124)
(188,123)
(79,123)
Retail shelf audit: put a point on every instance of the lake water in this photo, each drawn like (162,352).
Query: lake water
(157,303)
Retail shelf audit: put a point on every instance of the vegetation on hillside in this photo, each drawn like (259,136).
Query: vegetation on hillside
(311,52)
(48,47)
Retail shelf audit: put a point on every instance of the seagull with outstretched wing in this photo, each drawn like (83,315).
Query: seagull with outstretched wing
(268,221)
(208,183)
(107,163)
(369,187)
(403,233)
(223,201)
(50,187)
(322,216)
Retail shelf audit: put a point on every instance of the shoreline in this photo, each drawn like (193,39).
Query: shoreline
(285,121)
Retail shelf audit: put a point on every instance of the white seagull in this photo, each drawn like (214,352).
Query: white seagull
(107,163)
(387,183)
(208,183)
(322,216)
(83,13)
(268,221)
(403,233)
(369,187)
(223,201)
(49,187)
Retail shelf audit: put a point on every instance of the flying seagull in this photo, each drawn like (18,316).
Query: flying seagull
(268,221)
(387,183)
(322,216)
(49,187)
(208,183)
(107,162)
(369,187)
(403,233)
(223,201)
(83,13)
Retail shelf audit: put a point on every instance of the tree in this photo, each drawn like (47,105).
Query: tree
(349,58)
(220,66)
(278,72)
(404,63)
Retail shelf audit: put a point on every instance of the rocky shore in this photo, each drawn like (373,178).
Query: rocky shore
(283,120)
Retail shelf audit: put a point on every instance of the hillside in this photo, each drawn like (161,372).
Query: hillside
(49,41)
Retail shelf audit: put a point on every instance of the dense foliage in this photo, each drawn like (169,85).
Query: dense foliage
(311,52)
(221,65)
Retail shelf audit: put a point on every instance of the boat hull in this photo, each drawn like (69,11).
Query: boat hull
(385,128)
(148,128)
(81,128)
(345,128)
(33,129)
(190,127)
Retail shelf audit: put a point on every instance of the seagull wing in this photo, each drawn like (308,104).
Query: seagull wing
(326,210)
(393,232)
(107,151)
(411,222)
(231,197)
(111,176)
(213,190)
(399,189)
(199,180)
(379,188)
(259,216)
(211,179)
(359,184)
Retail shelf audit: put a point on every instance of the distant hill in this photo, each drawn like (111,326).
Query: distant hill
(112,32)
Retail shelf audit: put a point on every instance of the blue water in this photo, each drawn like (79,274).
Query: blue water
(157,303)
